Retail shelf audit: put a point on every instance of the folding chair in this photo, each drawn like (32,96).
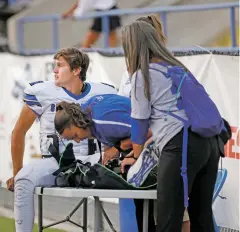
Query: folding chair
(221,177)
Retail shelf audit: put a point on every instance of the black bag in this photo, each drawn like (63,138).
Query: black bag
(71,175)
(79,174)
(98,176)
(66,157)
(224,137)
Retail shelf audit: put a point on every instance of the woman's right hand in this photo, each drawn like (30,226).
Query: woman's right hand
(10,184)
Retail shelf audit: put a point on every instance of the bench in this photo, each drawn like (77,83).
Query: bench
(106,193)
(96,194)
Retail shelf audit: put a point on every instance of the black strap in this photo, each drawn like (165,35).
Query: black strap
(47,156)
(118,146)
(100,150)
(84,87)
(92,147)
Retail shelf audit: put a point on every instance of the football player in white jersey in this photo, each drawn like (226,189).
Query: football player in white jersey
(40,102)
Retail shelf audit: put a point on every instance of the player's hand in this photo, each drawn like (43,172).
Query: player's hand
(67,15)
(109,154)
(127,162)
(10,181)
(10,184)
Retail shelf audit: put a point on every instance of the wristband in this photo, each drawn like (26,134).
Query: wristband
(132,156)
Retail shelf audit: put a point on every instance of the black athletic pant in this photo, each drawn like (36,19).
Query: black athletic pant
(203,158)
(139,215)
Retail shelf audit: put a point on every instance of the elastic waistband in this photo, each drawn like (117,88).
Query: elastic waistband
(50,156)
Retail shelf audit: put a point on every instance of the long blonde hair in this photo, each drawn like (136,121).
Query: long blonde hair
(153,20)
(141,43)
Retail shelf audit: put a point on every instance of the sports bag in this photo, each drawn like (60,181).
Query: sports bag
(142,175)
(203,115)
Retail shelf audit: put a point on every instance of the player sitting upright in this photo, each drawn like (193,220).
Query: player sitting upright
(40,102)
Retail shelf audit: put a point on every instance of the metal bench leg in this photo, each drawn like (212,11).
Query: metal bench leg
(40,213)
(145,214)
(97,215)
(68,218)
(107,218)
(85,211)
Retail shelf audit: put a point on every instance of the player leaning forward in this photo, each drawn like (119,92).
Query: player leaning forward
(40,100)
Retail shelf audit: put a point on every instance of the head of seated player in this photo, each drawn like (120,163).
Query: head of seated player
(71,122)
(71,66)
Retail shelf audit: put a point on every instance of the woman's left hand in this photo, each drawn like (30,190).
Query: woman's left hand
(127,161)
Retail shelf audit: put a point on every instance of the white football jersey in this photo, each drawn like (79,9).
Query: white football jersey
(42,98)
(125,85)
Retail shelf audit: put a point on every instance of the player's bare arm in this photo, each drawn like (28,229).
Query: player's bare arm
(23,124)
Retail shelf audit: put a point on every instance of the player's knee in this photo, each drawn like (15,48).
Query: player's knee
(23,191)
(28,172)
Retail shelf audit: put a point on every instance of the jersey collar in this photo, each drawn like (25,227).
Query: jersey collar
(82,95)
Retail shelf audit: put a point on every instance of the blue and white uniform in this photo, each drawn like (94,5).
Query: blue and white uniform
(111,123)
(111,118)
(42,97)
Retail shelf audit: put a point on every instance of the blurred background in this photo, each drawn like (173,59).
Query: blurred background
(210,28)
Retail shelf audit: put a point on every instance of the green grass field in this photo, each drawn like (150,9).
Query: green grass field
(7,225)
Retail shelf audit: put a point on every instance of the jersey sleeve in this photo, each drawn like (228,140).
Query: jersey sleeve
(32,98)
(101,88)
(124,88)
(141,106)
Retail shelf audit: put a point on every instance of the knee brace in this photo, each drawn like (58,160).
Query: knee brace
(23,192)
(24,205)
